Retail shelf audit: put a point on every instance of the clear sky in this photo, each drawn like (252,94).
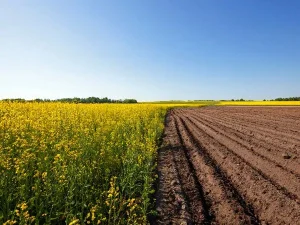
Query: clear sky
(150,49)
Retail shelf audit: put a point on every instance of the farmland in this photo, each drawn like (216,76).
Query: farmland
(77,163)
(230,165)
(64,163)
(227,103)
(258,103)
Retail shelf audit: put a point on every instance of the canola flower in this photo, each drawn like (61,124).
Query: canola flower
(78,163)
(259,103)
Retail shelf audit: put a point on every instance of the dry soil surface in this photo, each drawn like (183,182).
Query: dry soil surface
(230,165)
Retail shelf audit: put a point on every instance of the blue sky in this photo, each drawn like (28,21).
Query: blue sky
(150,49)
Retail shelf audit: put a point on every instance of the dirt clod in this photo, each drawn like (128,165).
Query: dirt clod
(286,155)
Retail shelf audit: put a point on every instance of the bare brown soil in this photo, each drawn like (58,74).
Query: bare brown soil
(230,165)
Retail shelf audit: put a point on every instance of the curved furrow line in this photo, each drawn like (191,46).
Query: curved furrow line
(271,129)
(227,205)
(271,202)
(281,178)
(248,117)
(272,144)
(266,118)
(283,114)
(192,188)
(273,140)
(277,120)
(183,197)
(257,149)
(171,205)
(278,127)
(267,147)
(191,193)
(245,120)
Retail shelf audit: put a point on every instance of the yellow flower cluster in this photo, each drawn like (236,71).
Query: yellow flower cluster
(259,103)
(77,163)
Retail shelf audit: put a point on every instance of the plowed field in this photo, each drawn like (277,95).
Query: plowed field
(230,165)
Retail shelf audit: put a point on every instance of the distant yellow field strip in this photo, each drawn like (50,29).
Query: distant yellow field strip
(259,103)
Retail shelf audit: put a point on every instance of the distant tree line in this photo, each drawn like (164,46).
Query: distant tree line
(13,100)
(91,100)
(236,100)
(204,100)
(287,99)
(276,99)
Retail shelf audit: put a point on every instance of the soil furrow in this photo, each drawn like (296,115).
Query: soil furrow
(225,204)
(273,128)
(272,143)
(272,122)
(283,115)
(258,149)
(225,165)
(191,186)
(171,205)
(280,179)
(270,204)
(280,137)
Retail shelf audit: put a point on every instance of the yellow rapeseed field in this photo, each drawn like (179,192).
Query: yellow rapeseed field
(259,103)
(66,163)
(77,163)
